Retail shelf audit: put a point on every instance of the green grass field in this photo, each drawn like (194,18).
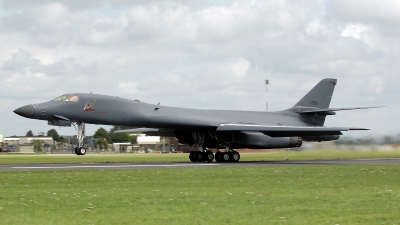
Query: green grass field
(241,195)
(260,195)
(132,158)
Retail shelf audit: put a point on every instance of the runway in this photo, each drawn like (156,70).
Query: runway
(116,166)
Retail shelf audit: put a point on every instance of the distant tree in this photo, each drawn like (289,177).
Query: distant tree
(123,137)
(63,140)
(388,140)
(29,133)
(133,139)
(345,141)
(73,140)
(102,133)
(41,133)
(365,141)
(37,144)
(397,139)
(118,138)
(53,133)
(101,144)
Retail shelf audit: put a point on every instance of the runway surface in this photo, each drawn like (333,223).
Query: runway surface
(112,166)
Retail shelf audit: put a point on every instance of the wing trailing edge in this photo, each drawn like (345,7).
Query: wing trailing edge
(287,131)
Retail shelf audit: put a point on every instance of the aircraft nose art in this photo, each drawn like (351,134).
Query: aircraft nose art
(26,111)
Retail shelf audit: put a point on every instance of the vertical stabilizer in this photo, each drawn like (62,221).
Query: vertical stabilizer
(320,96)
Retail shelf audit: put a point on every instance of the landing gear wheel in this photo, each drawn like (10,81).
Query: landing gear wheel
(80,128)
(82,151)
(208,156)
(226,157)
(77,151)
(235,156)
(193,156)
(200,157)
(218,156)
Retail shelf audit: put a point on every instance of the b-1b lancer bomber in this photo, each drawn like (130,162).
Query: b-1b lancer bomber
(220,129)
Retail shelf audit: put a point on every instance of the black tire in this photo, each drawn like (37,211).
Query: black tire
(82,151)
(193,156)
(235,156)
(218,156)
(226,157)
(77,151)
(200,157)
(208,156)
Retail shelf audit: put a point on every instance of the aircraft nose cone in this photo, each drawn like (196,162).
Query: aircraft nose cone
(26,111)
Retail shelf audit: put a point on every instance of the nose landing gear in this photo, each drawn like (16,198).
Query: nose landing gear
(80,129)
(80,150)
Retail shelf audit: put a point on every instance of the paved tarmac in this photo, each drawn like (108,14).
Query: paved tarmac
(114,166)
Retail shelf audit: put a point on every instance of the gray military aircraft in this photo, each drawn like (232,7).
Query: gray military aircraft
(221,129)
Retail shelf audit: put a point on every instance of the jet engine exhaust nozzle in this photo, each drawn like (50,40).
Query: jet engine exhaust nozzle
(26,111)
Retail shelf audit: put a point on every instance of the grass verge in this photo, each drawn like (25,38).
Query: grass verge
(259,195)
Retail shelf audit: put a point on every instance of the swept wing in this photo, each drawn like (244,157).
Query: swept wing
(286,131)
(272,131)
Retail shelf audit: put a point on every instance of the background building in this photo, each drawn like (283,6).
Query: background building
(26,144)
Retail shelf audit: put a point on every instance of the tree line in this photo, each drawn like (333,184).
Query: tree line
(104,138)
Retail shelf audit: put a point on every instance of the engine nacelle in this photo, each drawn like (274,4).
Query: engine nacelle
(321,138)
(257,140)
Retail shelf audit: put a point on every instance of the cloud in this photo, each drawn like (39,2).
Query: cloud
(354,30)
(370,11)
(128,87)
(376,84)
(200,54)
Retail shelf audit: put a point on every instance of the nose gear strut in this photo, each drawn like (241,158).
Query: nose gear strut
(80,129)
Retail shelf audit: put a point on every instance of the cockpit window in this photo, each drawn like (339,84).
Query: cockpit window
(67,98)
(62,98)
(73,98)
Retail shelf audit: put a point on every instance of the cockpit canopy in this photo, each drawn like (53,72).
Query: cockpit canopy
(67,98)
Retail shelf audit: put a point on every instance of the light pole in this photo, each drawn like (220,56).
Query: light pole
(266,91)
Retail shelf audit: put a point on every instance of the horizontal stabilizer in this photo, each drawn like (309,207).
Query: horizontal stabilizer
(329,111)
(286,131)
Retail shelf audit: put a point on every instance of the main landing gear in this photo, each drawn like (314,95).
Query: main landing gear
(80,128)
(207,156)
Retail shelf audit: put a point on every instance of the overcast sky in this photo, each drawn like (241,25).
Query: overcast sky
(202,54)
